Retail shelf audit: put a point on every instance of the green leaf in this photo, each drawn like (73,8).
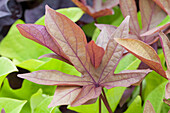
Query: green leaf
(129,62)
(165,20)
(89,29)
(72,13)
(113,96)
(151,81)
(139,19)
(31,64)
(6,67)
(25,92)
(16,47)
(43,107)
(115,19)
(55,64)
(135,106)
(156,96)
(36,99)
(11,105)
(95,34)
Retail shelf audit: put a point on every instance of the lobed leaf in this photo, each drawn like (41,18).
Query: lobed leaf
(144,52)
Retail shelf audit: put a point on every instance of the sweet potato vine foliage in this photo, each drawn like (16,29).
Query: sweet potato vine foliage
(96,63)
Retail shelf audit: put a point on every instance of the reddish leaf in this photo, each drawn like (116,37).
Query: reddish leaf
(113,51)
(124,78)
(166,49)
(164,4)
(167,102)
(167,90)
(144,52)
(98,9)
(156,29)
(151,14)
(95,52)
(128,7)
(54,77)
(39,34)
(148,107)
(87,93)
(70,37)
(75,90)
(64,96)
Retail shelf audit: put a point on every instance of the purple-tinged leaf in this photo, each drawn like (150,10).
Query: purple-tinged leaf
(39,34)
(88,92)
(124,78)
(103,38)
(113,51)
(53,55)
(144,52)
(64,96)
(167,90)
(156,29)
(70,37)
(151,14)
(164,4)
(128,7)
(95,52)
(148,107)
(110,28)
(166,49)
(98,9)
(54,77)
(2,111)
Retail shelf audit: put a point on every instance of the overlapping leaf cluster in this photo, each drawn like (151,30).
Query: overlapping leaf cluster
(96,64)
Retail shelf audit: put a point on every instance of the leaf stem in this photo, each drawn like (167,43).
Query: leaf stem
(103,97)
(100,104)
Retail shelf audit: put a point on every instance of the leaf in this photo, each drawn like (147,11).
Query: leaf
(54,77)
(128,7)
(144,52)
(39,34)
(11,105)
(151,14)
(156,97)
(43,107)
(99,9)
(72,13)
(125,78)
(164,4)
(156,29)
(71,46)
(88,92)
(166,101)
(2,111)
(31,64)
(6,67)
(167,90)
(135,106)
(148,107)
(87,87)
(17,47)
(64,95)
(95,52)
(36,99)
(113,102)
(166,49)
